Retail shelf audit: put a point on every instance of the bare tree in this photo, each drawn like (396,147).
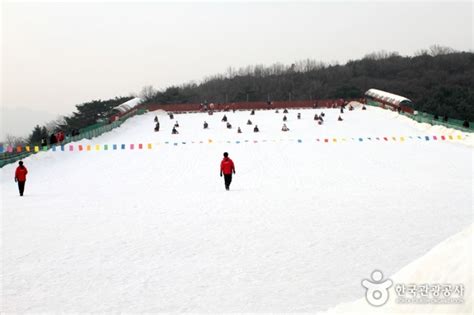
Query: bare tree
(56,124)
(13,141)
(422,52)
(230,72)
(148,93)
(379,55)
(437,50)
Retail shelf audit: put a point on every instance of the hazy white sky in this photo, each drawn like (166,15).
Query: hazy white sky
(57,54)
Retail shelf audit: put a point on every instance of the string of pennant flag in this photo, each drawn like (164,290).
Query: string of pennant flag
(141,146)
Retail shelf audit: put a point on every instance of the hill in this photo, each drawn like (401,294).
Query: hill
(150,230)
(438,83)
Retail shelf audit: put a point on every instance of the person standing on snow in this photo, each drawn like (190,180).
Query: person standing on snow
(227,168)
(20,177)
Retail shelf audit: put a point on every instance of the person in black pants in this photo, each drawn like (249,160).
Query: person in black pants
(227,168)
(20,177)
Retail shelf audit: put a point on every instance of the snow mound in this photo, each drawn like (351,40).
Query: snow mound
(448,262)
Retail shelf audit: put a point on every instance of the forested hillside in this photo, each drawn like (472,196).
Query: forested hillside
(439,81)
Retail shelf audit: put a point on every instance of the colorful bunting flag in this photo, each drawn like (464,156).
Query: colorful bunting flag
(97,147)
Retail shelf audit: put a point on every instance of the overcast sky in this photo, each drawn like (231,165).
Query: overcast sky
(56,54)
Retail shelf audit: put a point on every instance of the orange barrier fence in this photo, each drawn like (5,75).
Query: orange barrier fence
(250,105)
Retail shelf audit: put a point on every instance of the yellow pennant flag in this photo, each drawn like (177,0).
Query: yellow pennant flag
(150,146)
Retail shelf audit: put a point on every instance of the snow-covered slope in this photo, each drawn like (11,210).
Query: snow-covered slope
(447,263)
(154,230)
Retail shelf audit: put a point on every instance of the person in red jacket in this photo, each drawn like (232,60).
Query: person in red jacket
(227,168)
(20,177)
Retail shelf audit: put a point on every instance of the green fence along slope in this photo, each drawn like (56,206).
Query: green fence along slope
(88,132)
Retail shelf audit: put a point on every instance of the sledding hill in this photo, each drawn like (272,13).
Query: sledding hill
(310,213)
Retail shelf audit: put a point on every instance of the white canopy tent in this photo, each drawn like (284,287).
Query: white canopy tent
(388,97)
(128,105)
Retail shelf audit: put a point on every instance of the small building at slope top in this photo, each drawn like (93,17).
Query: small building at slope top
(125,108)
(388,100)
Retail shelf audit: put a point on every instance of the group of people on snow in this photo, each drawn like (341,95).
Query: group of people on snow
(318,118)
(58,137)
(174,131)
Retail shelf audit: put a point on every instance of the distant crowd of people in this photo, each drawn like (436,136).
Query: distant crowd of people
(319,118)
(59,136)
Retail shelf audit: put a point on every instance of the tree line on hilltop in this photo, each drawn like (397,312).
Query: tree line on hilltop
(438,80)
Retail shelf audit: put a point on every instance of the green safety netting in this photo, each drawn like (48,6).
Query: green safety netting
(422,117)
(88,132)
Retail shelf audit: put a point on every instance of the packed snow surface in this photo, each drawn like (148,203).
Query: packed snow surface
(149,230)
(447,263)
